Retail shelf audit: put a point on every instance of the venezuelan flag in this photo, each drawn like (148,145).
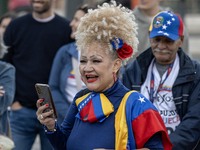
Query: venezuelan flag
(94,107)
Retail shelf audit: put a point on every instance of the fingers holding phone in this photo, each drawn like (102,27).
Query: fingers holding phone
(41,112)
(45,117)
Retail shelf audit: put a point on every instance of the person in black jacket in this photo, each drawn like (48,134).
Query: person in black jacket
(170,79)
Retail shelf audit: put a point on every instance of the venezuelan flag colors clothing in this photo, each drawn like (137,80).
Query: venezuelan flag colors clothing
(92,122)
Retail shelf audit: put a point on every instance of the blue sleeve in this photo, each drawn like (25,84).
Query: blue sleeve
(155,142)
(59,138)
(7,79)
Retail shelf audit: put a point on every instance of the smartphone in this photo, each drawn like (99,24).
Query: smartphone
(44,92)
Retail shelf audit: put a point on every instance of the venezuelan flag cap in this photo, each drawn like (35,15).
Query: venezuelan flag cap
(167,24)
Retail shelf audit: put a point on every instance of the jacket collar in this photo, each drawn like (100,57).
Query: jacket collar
(72,50)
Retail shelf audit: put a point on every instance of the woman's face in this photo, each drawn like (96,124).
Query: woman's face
(148,4)
(164,49)
(98,67)
(75,22)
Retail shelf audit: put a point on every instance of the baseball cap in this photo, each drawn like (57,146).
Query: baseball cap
(167,24)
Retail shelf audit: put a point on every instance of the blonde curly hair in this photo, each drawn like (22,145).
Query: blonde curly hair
(105,23)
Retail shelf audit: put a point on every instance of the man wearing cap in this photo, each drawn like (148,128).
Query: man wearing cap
(170,79)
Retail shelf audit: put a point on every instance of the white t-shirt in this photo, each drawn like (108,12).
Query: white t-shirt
(71,87)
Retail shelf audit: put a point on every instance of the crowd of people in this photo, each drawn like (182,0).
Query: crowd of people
(32,41)
(120,78)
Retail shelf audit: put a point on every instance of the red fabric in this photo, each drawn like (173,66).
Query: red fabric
(125,51)
(87,113)
(84,111)
(180,30)
(91,115)
(155,124)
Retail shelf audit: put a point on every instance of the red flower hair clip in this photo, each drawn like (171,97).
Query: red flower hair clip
(123,50)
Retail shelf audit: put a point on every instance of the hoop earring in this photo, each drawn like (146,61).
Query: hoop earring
(114,76)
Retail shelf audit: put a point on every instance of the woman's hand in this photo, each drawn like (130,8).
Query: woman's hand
(45,118)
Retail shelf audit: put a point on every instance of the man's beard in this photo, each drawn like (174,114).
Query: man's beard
(43,9)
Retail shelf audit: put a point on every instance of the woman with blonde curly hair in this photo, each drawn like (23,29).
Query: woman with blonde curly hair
(106,115)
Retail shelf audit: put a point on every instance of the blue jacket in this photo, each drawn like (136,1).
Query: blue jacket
(61,69)
(7,80)
(186,93)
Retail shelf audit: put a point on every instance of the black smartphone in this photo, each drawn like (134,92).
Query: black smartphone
(44,92)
